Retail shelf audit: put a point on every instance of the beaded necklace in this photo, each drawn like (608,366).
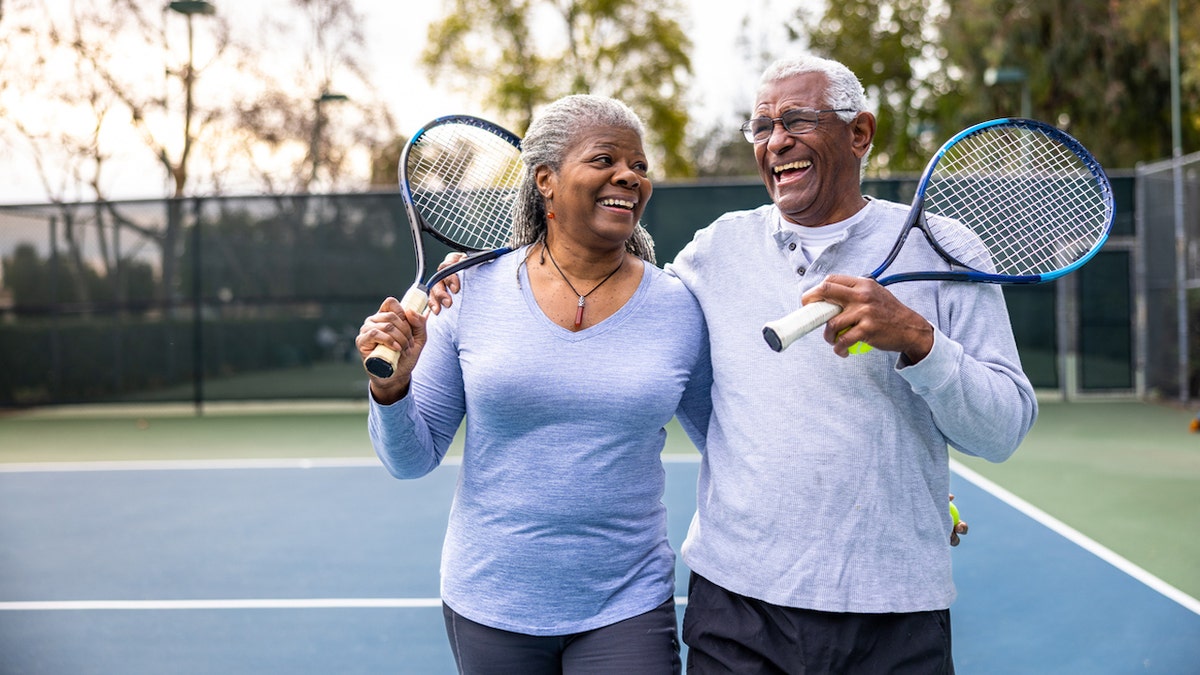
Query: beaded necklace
(582,296)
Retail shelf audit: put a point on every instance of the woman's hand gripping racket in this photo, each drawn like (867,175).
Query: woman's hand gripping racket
(458,178)
(1025,202)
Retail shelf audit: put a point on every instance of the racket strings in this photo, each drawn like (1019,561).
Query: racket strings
(1034,204)
(463,182)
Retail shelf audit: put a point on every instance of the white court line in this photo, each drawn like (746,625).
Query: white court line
(235,464)
(1016,502)
(288,603)
(204,464)
(196,464)
(280,603)
(1080,539)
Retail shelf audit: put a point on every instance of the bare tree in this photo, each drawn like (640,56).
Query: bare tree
(314,118)
(101,82)
(61,123)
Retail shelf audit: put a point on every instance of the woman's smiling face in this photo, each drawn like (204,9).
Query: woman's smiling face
(602,188)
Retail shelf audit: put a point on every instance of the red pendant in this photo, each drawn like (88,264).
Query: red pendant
(579,315)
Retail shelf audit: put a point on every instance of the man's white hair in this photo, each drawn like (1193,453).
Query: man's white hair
(844,91)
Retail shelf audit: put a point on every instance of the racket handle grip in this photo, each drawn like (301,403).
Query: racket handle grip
(781,333)
(415,300)
(381,362)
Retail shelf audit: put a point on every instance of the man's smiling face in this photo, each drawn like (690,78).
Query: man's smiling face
(813,177)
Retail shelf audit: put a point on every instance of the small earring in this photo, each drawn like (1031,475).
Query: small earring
(550,215)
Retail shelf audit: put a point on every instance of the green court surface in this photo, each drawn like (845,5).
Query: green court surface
(1124,473)
(166,432)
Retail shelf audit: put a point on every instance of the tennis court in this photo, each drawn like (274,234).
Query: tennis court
(270,540)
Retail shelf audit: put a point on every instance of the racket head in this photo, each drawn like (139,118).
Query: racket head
(1012,200)
(458,178)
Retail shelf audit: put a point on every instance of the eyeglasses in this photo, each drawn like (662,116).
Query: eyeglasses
(796,121)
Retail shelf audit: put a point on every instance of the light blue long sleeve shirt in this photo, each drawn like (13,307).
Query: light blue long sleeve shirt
(557,524)
(824,480)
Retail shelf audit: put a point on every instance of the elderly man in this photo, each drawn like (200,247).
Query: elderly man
(819,542)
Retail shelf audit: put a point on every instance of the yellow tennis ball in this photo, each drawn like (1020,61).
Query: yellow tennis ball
(954,513)
(859,348)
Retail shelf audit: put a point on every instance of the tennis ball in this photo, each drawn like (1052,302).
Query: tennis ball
(859,348)
(954,514)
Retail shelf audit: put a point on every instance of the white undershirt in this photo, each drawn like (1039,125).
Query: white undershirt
(814,240)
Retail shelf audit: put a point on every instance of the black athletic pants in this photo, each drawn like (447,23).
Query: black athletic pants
(730,633)
(646,644)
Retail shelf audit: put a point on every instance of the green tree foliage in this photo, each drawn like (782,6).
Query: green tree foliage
(295,248)
(37,283)
(1099,70)
(524,53)
(722,152)
(884,42)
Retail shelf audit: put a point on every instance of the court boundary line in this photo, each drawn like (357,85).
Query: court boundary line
(236,464)
(1078,538)
(233,603)
(238,604)
(1059,527)
(190,464)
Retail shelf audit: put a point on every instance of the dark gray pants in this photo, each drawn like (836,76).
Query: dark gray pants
(645,644)
(730,633)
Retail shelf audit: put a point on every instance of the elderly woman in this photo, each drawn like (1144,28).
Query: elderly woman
(567,357)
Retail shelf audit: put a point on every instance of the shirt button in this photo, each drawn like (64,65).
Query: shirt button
(792,246)
(800,270)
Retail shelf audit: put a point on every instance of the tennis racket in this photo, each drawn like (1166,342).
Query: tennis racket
(458,179)
(1023,197)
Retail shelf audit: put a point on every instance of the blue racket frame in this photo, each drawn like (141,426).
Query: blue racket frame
(917,212)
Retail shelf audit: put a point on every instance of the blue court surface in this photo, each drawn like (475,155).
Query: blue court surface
(332,567)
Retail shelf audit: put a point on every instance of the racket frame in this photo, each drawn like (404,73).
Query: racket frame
(781,333)
(382,360)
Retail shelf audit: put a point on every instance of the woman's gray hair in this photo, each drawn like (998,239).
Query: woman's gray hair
(845,91)
(551,135)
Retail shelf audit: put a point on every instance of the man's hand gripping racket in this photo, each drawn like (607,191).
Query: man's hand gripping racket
(458,179)
(1021,195)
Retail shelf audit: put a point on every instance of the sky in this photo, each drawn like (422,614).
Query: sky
(399,36)
(396,32)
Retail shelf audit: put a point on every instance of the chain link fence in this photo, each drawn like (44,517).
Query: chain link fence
(1168,198)
(259,298)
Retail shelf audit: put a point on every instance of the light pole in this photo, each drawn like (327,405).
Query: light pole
(1011,75)
(314,150)
(188,8)
(192,7)
(1181,272)
(1066,296)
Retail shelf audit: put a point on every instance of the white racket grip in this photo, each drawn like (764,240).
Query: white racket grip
(381,362)
(781,333)
(415,300)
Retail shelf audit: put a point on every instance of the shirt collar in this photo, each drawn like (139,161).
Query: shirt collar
(784,235)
